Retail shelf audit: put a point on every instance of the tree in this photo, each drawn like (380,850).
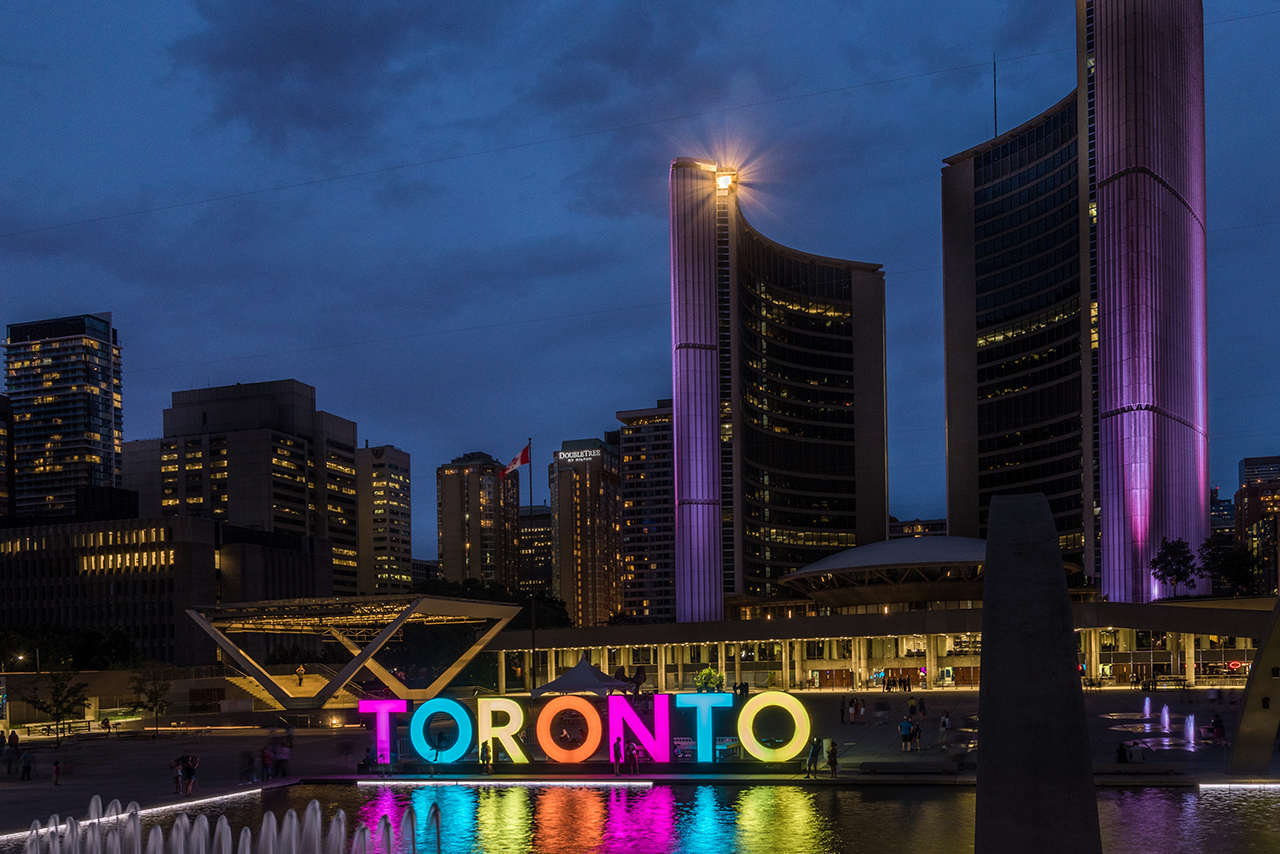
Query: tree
(152,687)
(1174,565)
(1231,566)
(57,696)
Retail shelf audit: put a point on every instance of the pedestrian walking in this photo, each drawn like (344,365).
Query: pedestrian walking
(920,706)
(27,762)
(189,774)
(915,736)
(813,759)
(944,729)
(56,772)
(267,757)
(300,672)
(10,756)
(911,708)
(283,753)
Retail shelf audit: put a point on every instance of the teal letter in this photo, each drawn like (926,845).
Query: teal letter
(704,703)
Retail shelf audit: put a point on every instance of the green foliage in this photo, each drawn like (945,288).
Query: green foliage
(708,679)
(1232,567)
(55,695)
(152,685)
(1174,564)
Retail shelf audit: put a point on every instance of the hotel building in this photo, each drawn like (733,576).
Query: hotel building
(259,456)
(587,540)
(1074,285)
(63,380)
(778,380)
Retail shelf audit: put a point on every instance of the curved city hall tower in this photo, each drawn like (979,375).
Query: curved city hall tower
(1153,427)
(1074,286)
(777,365)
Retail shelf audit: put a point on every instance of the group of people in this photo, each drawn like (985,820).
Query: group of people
(814,759)
(741,689)
(896,683)
(853,711)
(11,756)
(626,758)
(184,774)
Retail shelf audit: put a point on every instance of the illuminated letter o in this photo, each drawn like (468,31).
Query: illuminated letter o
(747,719)
(418,729)
(595,729)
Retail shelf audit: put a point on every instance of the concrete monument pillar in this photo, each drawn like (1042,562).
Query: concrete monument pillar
(528,670)
(737,663)
(724,670)
(680,653)
(1255,736)
(786,665)
(1189,660)
(502,673)
(931,659)
(1034,793)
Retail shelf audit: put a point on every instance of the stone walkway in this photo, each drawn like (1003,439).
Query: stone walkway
(137,768)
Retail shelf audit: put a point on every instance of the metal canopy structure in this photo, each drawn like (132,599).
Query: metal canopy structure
(904,570)
(353,621)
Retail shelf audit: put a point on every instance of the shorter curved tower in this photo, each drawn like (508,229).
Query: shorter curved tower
(778,379)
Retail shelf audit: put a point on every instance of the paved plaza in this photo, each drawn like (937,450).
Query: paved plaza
(134,767)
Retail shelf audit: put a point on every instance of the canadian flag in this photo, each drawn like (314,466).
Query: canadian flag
(521,459)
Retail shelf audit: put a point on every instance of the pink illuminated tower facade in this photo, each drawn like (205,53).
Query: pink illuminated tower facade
(1074,286)
(778,403)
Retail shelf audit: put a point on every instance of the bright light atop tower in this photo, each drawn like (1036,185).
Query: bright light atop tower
(724,180)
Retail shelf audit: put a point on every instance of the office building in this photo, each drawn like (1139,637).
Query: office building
(587,541)
(1255,470)
(1074,281)
(477,514)
(140,576)
(648,514)
(537,549)
(1222,514)
(63,381)
(258,456)
(386,529)
(917,528)
(778,400)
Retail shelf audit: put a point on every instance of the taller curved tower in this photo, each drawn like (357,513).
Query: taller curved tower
(778,403)
(1074,280)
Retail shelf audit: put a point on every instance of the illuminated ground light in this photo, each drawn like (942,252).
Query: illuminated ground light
(1269,786)
(123,816)
(528,784)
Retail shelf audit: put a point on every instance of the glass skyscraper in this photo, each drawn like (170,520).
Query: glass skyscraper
(1074,280)
(778,400)
(64,385)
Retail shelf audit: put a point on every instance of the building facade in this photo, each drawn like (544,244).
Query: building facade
(537,549)
(64,385)
(258,456)
(587,530)
(778,405)
(1074,280)
(648,514)
(8,477)
(477,513)
(140,576)
(383,486)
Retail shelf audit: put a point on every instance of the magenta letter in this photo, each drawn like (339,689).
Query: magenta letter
(382,710)
(657,743)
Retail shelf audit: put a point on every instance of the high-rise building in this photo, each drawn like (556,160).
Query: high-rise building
(258,456)
(477,513)
(424,570)
(63,380)
(587,542)
(386,530)
(1074,279)
(778,400)
(537,549)
(648,514)
(8,482)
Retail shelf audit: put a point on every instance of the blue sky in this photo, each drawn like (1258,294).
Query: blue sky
(452,219)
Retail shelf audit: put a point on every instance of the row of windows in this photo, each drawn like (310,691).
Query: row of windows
(1035,303)
(1044,376)
(1028,213)
(1065,312)
(985,211)
(1029,286)
(1061,255)
(1066,349)
(1040,226)
(1004,414)
(1048,135)
(1065,234)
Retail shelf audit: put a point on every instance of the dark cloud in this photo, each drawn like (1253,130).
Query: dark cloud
(328,69)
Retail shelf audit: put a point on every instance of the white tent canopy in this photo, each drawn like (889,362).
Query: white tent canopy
(583,678)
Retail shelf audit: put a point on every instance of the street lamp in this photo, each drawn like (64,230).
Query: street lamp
(23,658)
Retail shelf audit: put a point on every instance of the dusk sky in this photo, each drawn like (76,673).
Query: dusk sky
(451,219)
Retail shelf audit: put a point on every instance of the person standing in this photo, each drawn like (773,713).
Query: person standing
(300,672)
(283,753)
(814,757)
(484,758)
(944,729)
(833,758)
(189,774)
(904,730)
(56,772)
(633,758)
(911,708)
(27,761)
(617,756)
(10,756)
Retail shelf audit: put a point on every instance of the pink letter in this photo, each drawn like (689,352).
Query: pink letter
(382,710)
(657,743)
